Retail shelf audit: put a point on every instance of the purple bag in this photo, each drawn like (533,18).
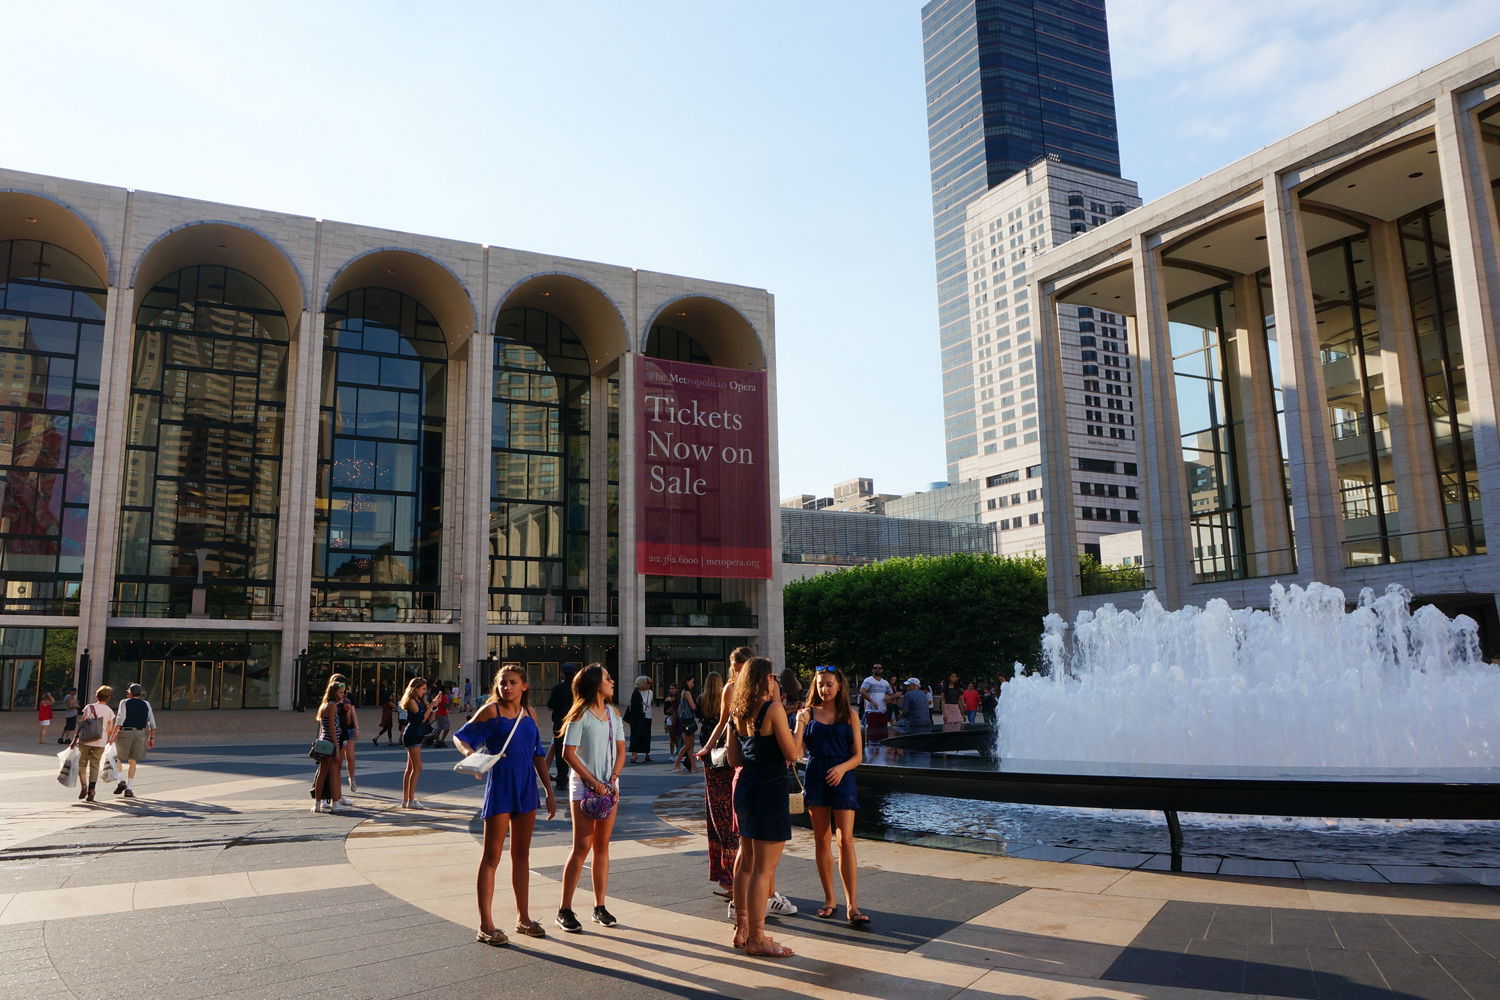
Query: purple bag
(593,805)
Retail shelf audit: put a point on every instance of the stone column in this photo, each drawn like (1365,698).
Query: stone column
(599,496)
(772,639)
(1167,544)
(1310,460)
(632,646)
(299,487)
(1059,527)
(1474,239)
(1418,503)
(1266,528)
(111,428)
(474,561)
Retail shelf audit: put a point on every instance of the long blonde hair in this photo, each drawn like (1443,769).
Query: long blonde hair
(410,695)
(713,695)
(332,695)
(752,687)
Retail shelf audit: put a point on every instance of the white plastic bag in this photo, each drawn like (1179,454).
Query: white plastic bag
(67,775)
(109,768)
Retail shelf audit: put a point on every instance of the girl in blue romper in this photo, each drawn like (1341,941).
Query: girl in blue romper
(829,731)
(510,795)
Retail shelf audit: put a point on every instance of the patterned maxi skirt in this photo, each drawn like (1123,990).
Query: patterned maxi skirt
(723,836)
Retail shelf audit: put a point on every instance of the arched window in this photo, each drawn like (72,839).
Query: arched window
(379,518)
(202,484)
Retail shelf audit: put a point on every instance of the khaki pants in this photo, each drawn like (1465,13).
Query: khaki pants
(88,763)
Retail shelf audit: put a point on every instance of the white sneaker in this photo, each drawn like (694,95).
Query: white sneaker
(336,806)
(780,906)
(317,807)
(414,804)
(352,786)
(730,913)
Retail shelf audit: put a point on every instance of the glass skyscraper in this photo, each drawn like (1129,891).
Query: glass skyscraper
(1008,83)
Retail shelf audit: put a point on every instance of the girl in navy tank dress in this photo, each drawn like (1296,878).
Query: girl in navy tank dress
(829,731)
(763,744)
(510,795)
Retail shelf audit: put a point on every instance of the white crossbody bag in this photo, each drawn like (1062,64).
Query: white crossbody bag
(479,763)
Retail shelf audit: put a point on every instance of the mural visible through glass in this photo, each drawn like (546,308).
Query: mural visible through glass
(51,336)
(379,513)
(202,484)
(540,487)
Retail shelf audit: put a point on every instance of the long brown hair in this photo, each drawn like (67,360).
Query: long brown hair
(410,693)
(752,687)
(586,686)
(332,695)
(840,701)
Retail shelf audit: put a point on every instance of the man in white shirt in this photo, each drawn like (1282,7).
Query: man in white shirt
(134,733)
(874,693)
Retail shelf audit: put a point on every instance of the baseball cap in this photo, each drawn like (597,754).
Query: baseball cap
(912,681)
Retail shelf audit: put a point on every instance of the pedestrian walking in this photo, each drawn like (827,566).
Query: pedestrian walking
(874,694)
(594,748)
(327,790)
(971,702)
(44,715)
(638,715)
(505,725)
(830,733)
(441,702)
(387,719)
(763,744)
(348,720)
(953,696)
(718,776)
(70,715)
(687,724)
(674,725)
(134,733)
(94,723)
(413,731)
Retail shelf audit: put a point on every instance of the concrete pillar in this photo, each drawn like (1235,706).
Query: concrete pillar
(1310,460)
(299,486)
(473,556)
(1267,532)
(1474,240)
(599,497)
(772,637)
(112,426)
(632,647)
(1419,506)
(1168,542)
(1058,522)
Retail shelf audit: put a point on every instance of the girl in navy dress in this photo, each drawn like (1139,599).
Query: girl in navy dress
(761,746)
(510,795)
(830,732)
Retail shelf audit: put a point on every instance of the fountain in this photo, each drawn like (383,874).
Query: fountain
(1303,684)
(1305,709)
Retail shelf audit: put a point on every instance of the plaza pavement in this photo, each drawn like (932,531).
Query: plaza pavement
(218,882)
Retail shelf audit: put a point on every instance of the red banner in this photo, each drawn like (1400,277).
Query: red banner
(701,448)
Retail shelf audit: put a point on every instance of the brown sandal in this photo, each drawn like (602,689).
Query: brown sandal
(771,949)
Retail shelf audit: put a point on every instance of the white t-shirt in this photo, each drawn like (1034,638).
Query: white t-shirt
(875,689)
(591,735)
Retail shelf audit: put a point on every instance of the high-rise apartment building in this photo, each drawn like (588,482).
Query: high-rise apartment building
(1020,109)
(1008,82)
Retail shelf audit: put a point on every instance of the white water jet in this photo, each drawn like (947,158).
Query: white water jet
(1304,684)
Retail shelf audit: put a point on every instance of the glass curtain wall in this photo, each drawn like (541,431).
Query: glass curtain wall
(51,338)
(1203,355)
(1429,282)
(539,482)
(379,512)
(203,449)
(1349,349)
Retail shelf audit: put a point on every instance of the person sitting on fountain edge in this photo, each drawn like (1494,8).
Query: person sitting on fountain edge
(916,708)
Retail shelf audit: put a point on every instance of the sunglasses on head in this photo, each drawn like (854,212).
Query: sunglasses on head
(825,669)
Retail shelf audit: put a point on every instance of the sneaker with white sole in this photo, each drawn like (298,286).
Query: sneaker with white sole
(568,921)
(729,912)
(778,905)
(317,807)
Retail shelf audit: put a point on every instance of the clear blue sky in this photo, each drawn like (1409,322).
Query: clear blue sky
(775,143)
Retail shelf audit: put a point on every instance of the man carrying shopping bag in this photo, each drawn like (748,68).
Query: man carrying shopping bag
(134,734)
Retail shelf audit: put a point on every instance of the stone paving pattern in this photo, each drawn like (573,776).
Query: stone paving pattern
(218,882)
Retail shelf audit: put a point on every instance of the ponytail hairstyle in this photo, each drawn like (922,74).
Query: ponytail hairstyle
(752,687)
(508,668)
(842,712)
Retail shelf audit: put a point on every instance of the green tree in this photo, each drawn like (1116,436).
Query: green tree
(927,615)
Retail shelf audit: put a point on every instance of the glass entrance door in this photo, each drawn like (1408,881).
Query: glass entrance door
(194,684)
(19,677)
(231,684)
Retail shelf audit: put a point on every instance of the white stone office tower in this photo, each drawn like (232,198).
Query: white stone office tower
(1316,332)
(1008,231)
(230,436)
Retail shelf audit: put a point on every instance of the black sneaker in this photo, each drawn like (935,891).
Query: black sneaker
(603,916)
(119,788)
(568,921)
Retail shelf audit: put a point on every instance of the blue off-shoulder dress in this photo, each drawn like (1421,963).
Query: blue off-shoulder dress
(510,787)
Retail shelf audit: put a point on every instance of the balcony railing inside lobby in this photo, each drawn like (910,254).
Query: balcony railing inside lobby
(184,609)
(62,606)
(507,616)
(703,620)
(383,613)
